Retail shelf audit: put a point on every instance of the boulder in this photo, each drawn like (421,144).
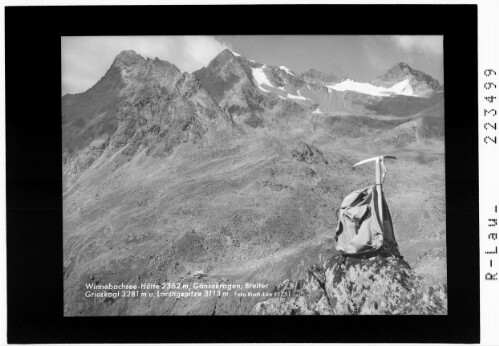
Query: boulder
(308,153)
(383,284)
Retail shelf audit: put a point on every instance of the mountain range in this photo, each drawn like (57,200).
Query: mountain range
(236,170)
(137,97)
(246,87)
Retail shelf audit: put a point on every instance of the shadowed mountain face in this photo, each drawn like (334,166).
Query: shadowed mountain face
(236,84)
(139,104)
(235,172)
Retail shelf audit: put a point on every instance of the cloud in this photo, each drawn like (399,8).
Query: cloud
(421,44)
(85,59)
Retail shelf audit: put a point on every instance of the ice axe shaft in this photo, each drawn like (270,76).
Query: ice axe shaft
(380,175)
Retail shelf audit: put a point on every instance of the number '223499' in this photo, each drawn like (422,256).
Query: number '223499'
(490,126)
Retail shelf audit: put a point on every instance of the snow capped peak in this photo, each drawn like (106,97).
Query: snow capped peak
(287,70)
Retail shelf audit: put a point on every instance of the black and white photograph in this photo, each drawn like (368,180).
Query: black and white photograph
(253,175)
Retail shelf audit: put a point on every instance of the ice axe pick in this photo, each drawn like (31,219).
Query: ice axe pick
(380,176)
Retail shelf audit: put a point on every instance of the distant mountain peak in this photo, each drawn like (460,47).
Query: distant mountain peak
(127,58)
(402,64)
(402,71)
(223,58)
(399,68)
(233,53)
(226,52)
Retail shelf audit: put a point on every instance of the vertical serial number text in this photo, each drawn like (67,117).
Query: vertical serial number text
(490,126)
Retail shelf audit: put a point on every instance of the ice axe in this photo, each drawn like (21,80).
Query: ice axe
(380,176)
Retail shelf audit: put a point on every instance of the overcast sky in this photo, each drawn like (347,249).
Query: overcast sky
(85,59)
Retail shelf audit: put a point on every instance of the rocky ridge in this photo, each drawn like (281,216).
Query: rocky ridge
(315,76)
(258,93)
(378,285)
(140,104)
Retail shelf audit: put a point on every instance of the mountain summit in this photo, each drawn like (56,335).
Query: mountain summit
(127,58)
(423,84)
(140,104)
(402,70)
(247,89)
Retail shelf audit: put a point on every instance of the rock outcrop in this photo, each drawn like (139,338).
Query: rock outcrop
(315,76)
(379,285)
(308,153)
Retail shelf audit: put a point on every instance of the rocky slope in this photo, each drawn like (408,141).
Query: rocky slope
(379,285)
(140,104)
(315,76)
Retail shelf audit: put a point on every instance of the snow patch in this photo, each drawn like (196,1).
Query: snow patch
(281,97)
(317,111)
(299,97)
(234,53)
(261,78)
(401,88)
(284,68)
(298,92)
